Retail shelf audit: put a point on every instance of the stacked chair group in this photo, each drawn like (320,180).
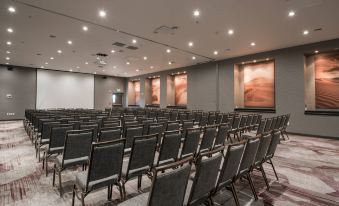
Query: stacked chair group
(189,155)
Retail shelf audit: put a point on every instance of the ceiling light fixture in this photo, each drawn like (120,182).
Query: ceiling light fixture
(9,30)
(253,44)
(215,52)
(316,51)
(102,13)
(59,51)
(71,70)
(78,67)
(69,42)
(291,13)
(168,51)
(169,63)
(306,32)
(95,72)
(9,43)
(190,44)
(42,67)
(152,67)
(7,58)
(51,58)
(46,63)
(145,58)
(193,57)
(134,41)
(137,70)
(8,52)
(86,62)
(254,61)
(114,67)
(112,51)
(196,13)
(85,28)
(11,9)
(230,32)
(127,63)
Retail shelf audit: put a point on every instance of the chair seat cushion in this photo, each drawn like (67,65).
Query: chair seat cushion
(133,172)
(70,162)
(81,179)
(136,201)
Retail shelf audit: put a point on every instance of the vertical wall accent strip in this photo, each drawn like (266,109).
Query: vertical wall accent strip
(217,86)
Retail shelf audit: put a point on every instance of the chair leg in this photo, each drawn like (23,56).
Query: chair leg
(275,172)
(139,182)
(82,199)
(121,192)
(46,165)
(252,186)
(124,196)
(54,168)
(43,160)
(264,176)
(235,196)
(109,192)
(60,185)
(73,197)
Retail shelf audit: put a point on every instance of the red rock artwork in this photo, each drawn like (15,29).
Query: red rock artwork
(156,91)
(137,92)
(259,85)
(180,85)
(327,81)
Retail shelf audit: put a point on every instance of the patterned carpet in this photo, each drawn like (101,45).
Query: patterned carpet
(308,169)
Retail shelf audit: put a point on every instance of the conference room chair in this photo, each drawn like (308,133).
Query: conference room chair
(104,170)
(146,123)
(91,125)
(56,142)
(45,136)
(253,122)
(167,189)
(267,126)
(110,124)
(273,123)
(271,150)
(169,148)
(207,166)
(75,153)
(130,133)
(109,134)
(248,125)
(187,124)
(222,135)
(284,127)
(172,125)
(229,170)
(76,124)
(156,128)
(265,141)
(208,137)
(211,118)
(247,162)
(203,120)
(234,128)
(140,160)
(242,126)
(261,127)
(182,116)
(197,117)
(173,115)
(191,143)
(190,116)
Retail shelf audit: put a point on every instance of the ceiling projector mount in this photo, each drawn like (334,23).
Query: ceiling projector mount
(101,60)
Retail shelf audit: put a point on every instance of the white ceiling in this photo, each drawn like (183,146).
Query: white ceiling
(264,22)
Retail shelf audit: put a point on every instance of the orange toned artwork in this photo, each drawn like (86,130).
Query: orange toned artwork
(259,85)
(327,81)
(137,92)
(180,85)
(156,91)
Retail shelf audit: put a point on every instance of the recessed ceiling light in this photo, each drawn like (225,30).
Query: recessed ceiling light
(112,51)
(8,52)
(51,58)
(193,57)
(71,70)
(78,67)
(86,62)
(7,63)
(7,58)
(103,70)
(59,51)
(42,67)
(253,44)
(127,63)
(169,63)
(11,9)
(137,70)
(102,13)
(267,59)
(215,52)
(134,41)
(152,67)
(69,42)
(196,13)
(230,32)
(316,51)
(168,51)
(114,67)
(9,30)
(190,44)
(242,62)
(306,32)
(145,58)
(291,13)
(46,63)
(95,72)
(254,61)
(9,43)
(85,28)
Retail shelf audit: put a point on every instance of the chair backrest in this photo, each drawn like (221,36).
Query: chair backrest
(281,125)
(77,144)
(222,133)
(231,164)
(76,124)
(248,157)
(58,135)
(208,138)
(110,123)
(287,120)
(156,128)
(142,154)
(261,126)
(173,115)
(170,146)
(278,122)
(186,125)
(273,123)
(207,170)
(145,124)
(131,123)
(249,120)
(93,126)
(268,125)
(46,129)
(191,143)
(105,161)
(235,123)
(131,133)
(168,189)
(109,134)
(172,126)
(265,141)
(273,145)
(211,119)
(203,120)
(254,119)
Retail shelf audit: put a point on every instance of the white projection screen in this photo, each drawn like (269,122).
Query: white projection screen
(57,89)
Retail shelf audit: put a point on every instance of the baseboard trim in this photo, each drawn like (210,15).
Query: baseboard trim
(7,120)
(312,135)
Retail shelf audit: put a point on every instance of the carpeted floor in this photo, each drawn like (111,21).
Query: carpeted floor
(308,169)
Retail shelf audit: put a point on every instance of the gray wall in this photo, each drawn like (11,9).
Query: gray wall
(21,84)
(104,86)
(212,89)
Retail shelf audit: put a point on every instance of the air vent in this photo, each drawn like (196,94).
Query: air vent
(132,47)
(165,30)
(118,44)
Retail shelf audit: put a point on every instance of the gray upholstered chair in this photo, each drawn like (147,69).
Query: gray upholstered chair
(109,134)
(253,122)
(168,188)
(76,152)
(208,137)
(211,118)
(171,126)
(56,143)
(140,160)
(247,162)
(268,126)
(156,128)
(169,149)
(110,124)
(93,126)
(76,124)
(265,141)
(248,123)
(203,120)
(173,115)
(186,125)
(284,128)
(229,169)
(261,126)
(205,179)
(104,170)
(242,125)
(235,128)
(130,133)
(222,135)
(45,136)
(191,143)
(271,150)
